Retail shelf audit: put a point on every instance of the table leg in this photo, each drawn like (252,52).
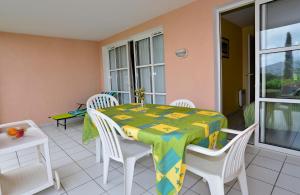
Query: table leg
(48,162)
(65,125)
(39,155)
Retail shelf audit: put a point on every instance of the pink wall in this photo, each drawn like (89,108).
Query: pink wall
(40,76)
(190,27)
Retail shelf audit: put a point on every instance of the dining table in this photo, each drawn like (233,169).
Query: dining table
(168,129)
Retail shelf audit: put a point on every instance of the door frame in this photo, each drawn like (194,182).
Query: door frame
(248,90)
(218,36)
(218,68)
(258,99)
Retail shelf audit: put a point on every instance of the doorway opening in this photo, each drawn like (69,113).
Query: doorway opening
(237,30)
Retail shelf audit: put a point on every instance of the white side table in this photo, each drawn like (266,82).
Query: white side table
(32,178)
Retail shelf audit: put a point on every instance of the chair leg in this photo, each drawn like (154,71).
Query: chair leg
(106,160)
(98,149)
(128,174)
(243,182)
(216,185)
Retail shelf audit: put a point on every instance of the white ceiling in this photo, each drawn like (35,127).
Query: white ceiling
(242,17)
(80,19)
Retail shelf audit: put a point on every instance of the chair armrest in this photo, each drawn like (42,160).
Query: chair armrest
(205,151)
(215,153)
(231,131)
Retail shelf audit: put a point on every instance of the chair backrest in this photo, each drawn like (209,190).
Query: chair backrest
(235,157)
(108,129)
(101,101)
(183,103)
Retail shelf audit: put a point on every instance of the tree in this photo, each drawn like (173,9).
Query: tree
(288,63)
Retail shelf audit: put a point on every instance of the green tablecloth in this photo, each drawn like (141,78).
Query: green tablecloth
(169,129)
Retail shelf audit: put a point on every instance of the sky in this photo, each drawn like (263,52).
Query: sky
(275,38)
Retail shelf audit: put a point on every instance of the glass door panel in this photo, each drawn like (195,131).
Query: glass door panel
(114,81)
(160,99)
(144,79)
(124,98)
(119,73)
(148,99)
(158,49)
(278,65)
(123,80)
(280,124)
(280,75)
(112,59)
(143,52)
(278,21)
(121,57)
(159,79)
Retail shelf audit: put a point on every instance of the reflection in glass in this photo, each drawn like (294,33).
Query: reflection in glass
(112,60)
(143,52)
(114,84)
(160,99)
(123,80)
(280,124)
(280,74)
(158,49)
(159,79)
(121,57)
(124,98)
(278,18)
(148,99)
(144,79)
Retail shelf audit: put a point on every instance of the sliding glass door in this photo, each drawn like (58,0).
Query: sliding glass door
(137,63)
(119,72)
(278,70)
(150,67)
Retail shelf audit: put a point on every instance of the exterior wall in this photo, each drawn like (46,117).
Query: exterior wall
(190,27)
(40,76)
(232,67)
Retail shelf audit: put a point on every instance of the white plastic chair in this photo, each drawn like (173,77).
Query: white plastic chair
(96,102)
(101,101)
(221,166)
(118,148)
(183,103)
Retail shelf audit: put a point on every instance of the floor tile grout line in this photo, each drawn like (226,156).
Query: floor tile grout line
(255,155)
(292,163)
(190,188)
(99,176)
(253,164)
(63,151)
(278,175)
(290,175)
(92,179)
(136,182)
(77,141)
(271,158)
(287,190)
(262,180)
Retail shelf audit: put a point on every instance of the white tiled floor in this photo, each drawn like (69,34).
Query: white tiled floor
(268,172)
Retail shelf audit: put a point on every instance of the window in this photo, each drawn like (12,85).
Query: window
(138,63)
